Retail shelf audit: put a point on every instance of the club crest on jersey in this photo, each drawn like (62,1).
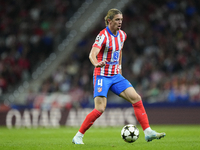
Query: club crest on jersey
(99,89)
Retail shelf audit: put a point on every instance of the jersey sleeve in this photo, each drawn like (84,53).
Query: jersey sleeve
(125,36)
(99,41)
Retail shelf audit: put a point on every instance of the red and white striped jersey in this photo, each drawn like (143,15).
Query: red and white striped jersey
(110,46)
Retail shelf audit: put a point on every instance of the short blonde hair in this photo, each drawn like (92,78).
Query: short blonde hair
(110,15)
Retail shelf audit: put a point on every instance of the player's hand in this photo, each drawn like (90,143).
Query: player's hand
(101,63)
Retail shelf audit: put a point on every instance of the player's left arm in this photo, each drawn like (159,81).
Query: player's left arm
(120,57)
(120,63)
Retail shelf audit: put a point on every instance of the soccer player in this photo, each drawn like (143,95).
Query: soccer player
(106,56)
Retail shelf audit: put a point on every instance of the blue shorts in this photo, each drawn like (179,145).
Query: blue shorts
(116,84)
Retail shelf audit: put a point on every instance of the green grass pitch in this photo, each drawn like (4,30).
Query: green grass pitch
(178,137)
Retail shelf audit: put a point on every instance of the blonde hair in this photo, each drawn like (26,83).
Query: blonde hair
(110,15)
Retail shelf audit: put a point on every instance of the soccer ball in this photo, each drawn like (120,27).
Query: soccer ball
(130,133)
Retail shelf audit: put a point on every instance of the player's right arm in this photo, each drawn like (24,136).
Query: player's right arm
(93,57)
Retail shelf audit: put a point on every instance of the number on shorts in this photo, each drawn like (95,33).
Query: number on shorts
(100,82)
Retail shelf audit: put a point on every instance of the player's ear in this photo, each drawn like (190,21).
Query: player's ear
(109,20)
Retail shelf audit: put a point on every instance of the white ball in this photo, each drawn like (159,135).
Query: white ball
(130,133)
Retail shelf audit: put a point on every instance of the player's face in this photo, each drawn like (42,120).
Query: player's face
(116,22)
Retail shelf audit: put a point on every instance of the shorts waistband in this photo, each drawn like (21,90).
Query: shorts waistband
(112,63)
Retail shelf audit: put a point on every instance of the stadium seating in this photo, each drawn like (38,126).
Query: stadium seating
(160,56)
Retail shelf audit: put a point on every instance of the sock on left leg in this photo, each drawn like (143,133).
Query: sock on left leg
(141,115)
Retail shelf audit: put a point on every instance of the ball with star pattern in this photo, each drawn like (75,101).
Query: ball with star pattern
(130,133)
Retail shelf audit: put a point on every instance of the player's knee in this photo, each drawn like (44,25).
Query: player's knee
(101,109)
(100,104)
(138,97)
(135,98)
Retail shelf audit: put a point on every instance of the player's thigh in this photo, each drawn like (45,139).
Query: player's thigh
(100,103)
(120,85)
(130,95)
(101,85)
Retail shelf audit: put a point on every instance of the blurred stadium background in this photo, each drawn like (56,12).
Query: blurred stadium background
(46,76)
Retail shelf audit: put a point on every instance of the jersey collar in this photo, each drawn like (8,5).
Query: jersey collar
(111,32)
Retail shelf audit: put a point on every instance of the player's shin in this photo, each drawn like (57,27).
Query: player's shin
(89,120)
(141,115)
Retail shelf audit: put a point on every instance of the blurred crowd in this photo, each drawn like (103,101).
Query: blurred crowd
(161,56)
(29,31)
